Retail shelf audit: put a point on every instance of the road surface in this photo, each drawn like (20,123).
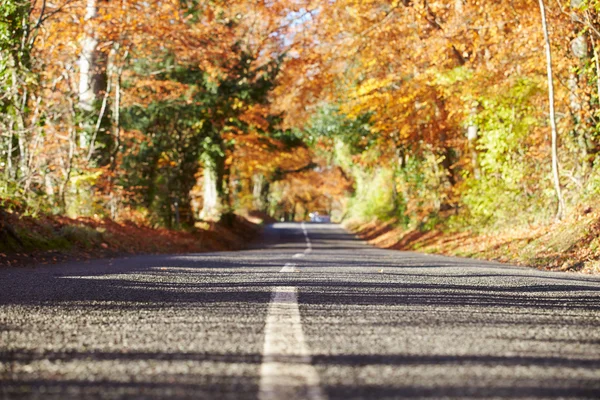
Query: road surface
(312,314)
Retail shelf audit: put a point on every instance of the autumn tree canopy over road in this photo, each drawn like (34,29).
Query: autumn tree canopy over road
(429,112)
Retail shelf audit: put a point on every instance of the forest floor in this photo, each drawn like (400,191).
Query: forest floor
(569,245)
(53,239)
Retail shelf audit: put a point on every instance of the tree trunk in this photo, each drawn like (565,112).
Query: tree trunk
(23,150)
(447,153)
(472,133)
(211,208)
(19,103)
(8,172)
(92,79)
(176,212)
(555,168)
(260,192)
(62,192)
(597,65)
(116,114)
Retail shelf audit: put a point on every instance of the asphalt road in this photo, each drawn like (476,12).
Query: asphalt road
(312,314)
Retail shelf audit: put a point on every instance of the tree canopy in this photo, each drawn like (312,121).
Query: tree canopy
(177,111)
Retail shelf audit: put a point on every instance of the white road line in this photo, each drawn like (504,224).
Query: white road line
(308,248)
(308,243)
(289,267)
(299,255)
(286,372)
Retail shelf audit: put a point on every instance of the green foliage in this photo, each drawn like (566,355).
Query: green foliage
(502,190)
(15,52)
(374,196)
(83,236)
(14,31)
(423,185)
(180,134)
(417,192)
(291,138)
(592,187)
(16,80)
(44,239)
(329,123)
(163,169)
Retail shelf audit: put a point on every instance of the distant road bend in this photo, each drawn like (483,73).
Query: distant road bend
(312,314)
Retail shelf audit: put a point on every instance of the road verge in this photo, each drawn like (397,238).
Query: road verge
(570,245)
(51,239)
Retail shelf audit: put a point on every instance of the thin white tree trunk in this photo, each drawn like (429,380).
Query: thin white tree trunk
(87,59)
(555,170)
(258,182)
(92,145)
(87,66)
(211,206)
(8,173)
(116,114)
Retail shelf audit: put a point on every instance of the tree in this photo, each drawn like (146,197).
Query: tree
(555,173)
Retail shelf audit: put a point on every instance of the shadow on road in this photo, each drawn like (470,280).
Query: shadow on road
(340,274)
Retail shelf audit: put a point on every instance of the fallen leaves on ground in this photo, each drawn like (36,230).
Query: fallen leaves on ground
(569,245)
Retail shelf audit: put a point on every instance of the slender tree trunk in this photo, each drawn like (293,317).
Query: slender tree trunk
(116,126)
(597,65)
(260,192)
(472,133)
(446,151)
(176,211)
(8,173)
(116,136)
(91,70)
(68,165)
(19,103)
(22,143)
(92,145)
(69,169)
(555,168)
(49,188)
(211,207)
(224,176)
(87,59)
(35,141)
(257,184)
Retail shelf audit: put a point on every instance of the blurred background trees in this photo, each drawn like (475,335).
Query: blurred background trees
(455,97)
(426,112)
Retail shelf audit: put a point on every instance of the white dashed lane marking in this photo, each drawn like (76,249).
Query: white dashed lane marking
(286,371)
(289,267)
(308,243)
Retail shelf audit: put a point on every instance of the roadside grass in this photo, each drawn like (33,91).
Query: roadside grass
(49,239)
(82,235)
(569,245)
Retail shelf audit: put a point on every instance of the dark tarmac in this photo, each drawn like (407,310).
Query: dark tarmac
(310,313)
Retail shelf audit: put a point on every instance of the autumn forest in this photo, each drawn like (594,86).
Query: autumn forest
(451,114)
